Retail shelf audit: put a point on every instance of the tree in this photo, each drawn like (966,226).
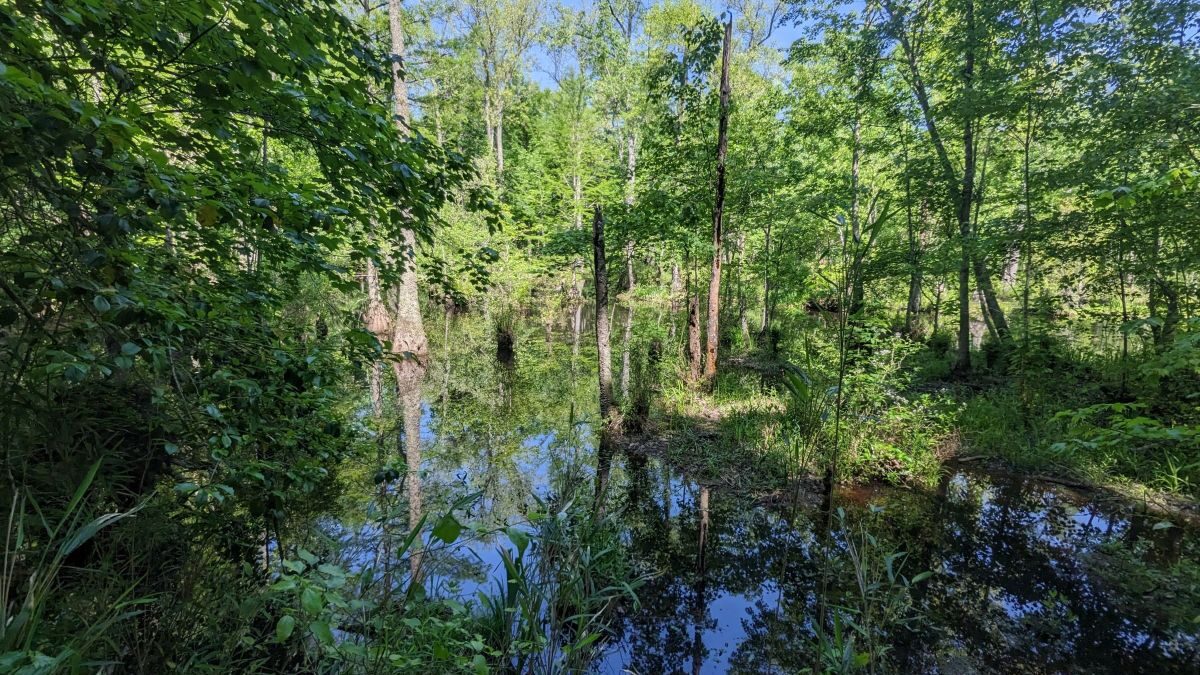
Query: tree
(714,284)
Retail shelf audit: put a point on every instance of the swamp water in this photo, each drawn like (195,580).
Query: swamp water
(1026,576)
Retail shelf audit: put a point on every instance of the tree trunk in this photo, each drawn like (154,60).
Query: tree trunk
(693,338)
(603,338)
(984,280)
(399,86)
(630,168)
(741,291)
(912,311)
(500,142)
(676,288)
(487,112)
(630,279)
(961,189)
(408,332)
(714,285)
(856,280)
(765,326)
(994,315)
(962,362)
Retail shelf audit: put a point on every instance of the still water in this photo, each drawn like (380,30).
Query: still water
(1026,576)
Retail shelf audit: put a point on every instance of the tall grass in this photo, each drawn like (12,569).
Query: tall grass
(34,635)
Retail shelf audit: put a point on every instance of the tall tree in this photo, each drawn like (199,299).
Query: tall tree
(714,283)
(408,329)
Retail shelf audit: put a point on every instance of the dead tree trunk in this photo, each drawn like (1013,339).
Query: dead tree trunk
(714,284)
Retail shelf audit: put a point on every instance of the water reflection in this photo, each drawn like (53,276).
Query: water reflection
(1029,577)
(410,375)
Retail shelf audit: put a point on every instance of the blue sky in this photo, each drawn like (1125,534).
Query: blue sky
(539,67)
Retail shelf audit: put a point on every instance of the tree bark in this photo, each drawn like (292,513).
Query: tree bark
(603,337)
(408,331)
(714,285)
(693,336)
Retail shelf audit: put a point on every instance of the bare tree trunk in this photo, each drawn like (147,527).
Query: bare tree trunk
(630,168)
(984,280)
(714,285)
(399,86)
(408,332)
(603,338)
(987,315)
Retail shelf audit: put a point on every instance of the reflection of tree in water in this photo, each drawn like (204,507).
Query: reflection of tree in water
(710,546)
(410,374)
(1015,589)
(502,428)
(1017,583)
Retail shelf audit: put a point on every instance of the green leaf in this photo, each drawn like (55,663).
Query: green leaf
(284,627)
(447,528)
(101,303)
(311,601)
(331,570)
(321,630)
(130,349)
(1162,525)
(519,538)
